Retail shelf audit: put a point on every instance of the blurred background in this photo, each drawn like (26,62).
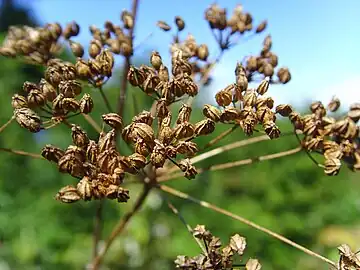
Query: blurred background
(317,41)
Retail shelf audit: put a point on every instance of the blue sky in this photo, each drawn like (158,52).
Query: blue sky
(318,40)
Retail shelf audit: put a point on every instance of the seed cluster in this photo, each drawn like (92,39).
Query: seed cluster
(348,259)
(336,139)
(54,96)
(245,106)
(99,165)
(216,257)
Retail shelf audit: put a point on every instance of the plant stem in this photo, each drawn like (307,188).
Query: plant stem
(22,153)
(220,136)
(92,122)
(97,227)
(7,124)
(215,208)
(121,225)
(126,68)
(106,101)
(234,163)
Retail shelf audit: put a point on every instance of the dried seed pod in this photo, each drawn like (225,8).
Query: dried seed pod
(253,264)
(273,59)
(296,120)
(248,124)
(204,127)
(71,165)
(143,117)
(223,98)
(36,99)
(268,70)
(202,52)
(28,119)
(184,130)
(77,152)
(79,137)
(263,86)
(318,108)
(354,112)
(155,60)
(70,104)
(158,155)
(271,129)
(184,114)
(127,19)
(18,101)
(150,84)
(48,90)
(142,148)
(76,48)
(212,112)
(113,120)
(179,23)
(29,86)
(332,166)
(68,194)
(229,114)
(284,75)
(52,153)
(284,110)
(107,141)
(138,161)
(86,104)
(94,48)
(200,232)
(143,131)
(122,194)
(83,69)
(70,88)
(242,82)
(250,98)
(187,148)
(135,76)
(84,189)
(188,169)
(238,244)
(264,114)
(92,152)
(163,25)
(334,104)
(261,27)
(72,29)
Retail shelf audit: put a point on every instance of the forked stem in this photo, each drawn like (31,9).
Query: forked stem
(7,124)
(234,163)
(215,208)
(119,228)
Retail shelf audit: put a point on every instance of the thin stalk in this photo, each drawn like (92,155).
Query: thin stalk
(220,136)
(188,227)
(22,153)
(234,163)
(123,87)
(106,101)
(119,228)
(243,220)
(92,122)
(7,124)
(97,228)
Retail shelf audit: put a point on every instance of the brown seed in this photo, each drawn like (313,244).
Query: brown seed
(284,109)
(18,101)
(212,112)
(229,114)
(263,86)
(334,104)
(158,155)
(92,152)
(70,88)
(223,98)
(79,137)
(71,165)
(48,90)
(135,76)
(250,98)
(70,104)
(84,189)
(261,27)
(163,25)
(354,112)
(332,166)
(72,29)
(127,19)
(202,52)
(28,119)
(179,23)
(76,48)
(271,129)
(155,60)
(68,194)
(184,114)
(187,148)
(188,169)
(95,48)
(137,160)
(83,69)
(86,104)
(184,130)
(113,120)
(122,195)
(52,153)
(284,75)
(204,127)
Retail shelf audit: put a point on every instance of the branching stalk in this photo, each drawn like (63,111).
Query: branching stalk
(22,153)
(7,124)
(215,208)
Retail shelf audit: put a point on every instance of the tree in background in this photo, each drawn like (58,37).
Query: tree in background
(160,144)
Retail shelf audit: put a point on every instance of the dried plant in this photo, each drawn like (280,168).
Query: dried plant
(163,143)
